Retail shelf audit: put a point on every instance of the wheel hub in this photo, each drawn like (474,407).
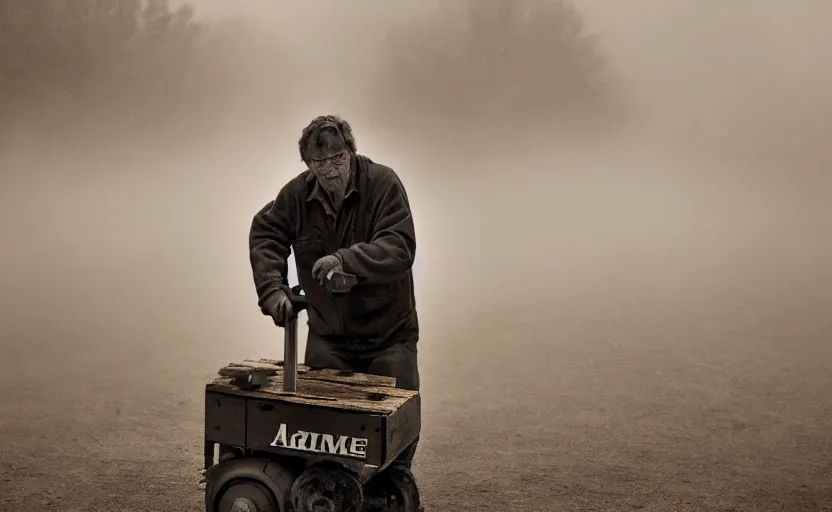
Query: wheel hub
(243,505)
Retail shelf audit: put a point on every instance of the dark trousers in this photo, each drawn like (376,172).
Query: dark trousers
(397,360)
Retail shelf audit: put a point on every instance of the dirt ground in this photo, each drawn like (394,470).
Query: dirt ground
(641,405)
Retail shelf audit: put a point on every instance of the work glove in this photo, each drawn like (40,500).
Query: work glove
(325,265)
(279,308)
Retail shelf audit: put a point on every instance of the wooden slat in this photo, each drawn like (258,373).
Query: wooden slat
(269,364)
(273,367)
(232,371)
(368,399)
(353,379)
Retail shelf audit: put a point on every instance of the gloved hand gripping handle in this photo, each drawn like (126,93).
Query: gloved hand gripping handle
(336,283)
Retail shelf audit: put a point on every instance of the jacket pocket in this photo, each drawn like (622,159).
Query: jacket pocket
(308,251)
(380,295)
(382,300)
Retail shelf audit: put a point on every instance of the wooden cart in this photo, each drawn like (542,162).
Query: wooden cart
(272,427)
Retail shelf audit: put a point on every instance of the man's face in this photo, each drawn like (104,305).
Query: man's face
(329,157)
(332,168)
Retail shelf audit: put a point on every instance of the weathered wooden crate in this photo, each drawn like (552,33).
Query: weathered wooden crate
(362,420)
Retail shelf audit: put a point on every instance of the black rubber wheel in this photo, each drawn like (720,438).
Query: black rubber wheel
(247,496)
(393,490)
(326,488)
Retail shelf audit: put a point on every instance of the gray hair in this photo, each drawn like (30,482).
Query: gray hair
(344,129)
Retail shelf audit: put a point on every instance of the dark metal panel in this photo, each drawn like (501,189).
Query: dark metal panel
(225,419)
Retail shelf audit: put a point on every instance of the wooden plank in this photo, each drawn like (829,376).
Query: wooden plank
(272,367)
(234,371)
(350,378)
(366,399)
(269,364)
(371,394)
(317,390)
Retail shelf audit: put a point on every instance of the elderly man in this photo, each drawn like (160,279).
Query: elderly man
(345,213)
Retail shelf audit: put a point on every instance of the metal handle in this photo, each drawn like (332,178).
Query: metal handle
(336,283)
(290,341)
(290,355)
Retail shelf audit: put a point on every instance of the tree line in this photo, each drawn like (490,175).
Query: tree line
(510,66)
(143,64)
(130,64)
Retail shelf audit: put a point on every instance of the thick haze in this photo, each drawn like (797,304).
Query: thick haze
(624,284)
(714,192)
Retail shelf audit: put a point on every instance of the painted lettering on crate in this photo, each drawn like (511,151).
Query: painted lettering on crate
(314,442)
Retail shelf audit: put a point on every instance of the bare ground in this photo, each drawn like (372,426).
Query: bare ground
(641,405)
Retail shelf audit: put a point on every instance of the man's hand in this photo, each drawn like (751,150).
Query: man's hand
(280,309)
(324,266)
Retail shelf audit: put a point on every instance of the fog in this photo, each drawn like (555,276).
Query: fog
(700,224)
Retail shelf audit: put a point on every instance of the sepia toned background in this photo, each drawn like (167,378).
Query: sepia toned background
(624,221)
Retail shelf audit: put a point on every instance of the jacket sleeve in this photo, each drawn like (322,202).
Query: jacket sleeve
(270,240)
(389,254)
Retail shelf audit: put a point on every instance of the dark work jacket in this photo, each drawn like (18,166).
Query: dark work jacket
(372,233)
